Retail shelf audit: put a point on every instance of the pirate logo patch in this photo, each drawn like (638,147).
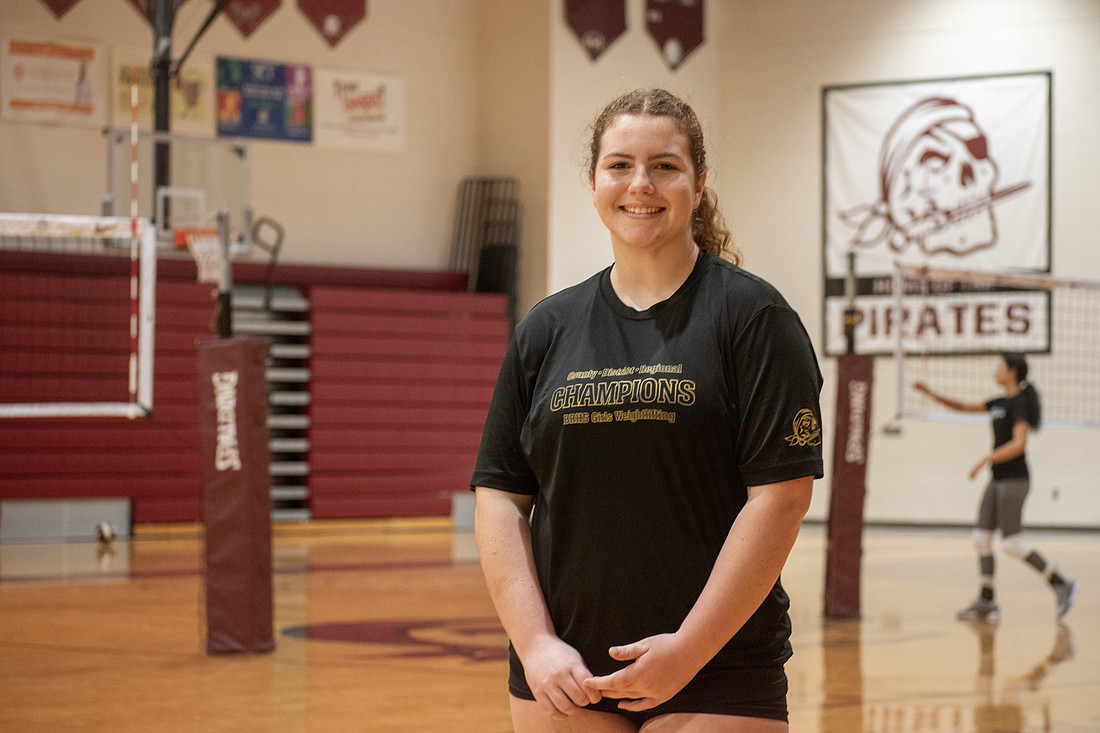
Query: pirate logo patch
(805,430)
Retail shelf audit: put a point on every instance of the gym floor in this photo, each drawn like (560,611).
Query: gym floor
(385,625)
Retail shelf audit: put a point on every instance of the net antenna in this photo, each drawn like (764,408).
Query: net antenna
(956,322)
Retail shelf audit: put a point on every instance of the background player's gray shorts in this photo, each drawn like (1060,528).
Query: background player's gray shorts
(1002,505)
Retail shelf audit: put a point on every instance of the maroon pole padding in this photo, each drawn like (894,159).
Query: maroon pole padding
(236,495)
(855,373)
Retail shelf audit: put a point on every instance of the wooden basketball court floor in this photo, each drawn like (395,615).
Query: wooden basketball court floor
(386,626)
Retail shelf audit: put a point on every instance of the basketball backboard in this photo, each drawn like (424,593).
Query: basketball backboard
(204,176)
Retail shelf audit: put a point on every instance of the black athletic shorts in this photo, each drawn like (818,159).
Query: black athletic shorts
(753,692)
(1002,505)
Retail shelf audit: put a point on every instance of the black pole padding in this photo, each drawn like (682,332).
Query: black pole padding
(163,17)
(225,314)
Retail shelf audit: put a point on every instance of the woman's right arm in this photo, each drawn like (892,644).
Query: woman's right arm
(948,402)
(554,670)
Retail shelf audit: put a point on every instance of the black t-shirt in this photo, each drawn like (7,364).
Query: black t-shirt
(638,433)
(1006,412)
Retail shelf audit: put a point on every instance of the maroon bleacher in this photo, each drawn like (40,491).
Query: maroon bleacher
(402,367)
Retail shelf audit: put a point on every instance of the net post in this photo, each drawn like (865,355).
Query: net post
(147,299)
(899,342)
(225,281)
(850,312)
(844,554)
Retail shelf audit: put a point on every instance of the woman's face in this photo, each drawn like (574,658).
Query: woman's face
(644,185)
(1002,375)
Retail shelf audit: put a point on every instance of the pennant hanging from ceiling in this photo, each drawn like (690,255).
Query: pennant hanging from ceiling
(597,23)
(247,15)
(676,26)
(333,18)
(147,12)
(140,6)
(59,7)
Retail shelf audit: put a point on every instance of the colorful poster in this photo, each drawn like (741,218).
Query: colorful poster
(596,23)
(264,100)
(190,101)
(951,173)
(333,18)
(53,81)
(359,110)
(676,26)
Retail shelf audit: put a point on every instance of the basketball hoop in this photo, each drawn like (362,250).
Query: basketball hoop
(205,247)
(209,248)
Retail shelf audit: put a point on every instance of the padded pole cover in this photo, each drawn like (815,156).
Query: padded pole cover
(844,554)
(236,495)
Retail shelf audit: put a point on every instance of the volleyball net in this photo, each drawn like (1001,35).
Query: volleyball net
(77,315)
(956,322)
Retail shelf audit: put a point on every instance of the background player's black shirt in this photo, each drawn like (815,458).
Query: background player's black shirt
(638,433)
(1005,413)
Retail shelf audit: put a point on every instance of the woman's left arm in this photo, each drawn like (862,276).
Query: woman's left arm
(1014,448)
(747,568)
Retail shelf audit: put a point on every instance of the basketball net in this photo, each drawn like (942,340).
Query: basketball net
(205,248)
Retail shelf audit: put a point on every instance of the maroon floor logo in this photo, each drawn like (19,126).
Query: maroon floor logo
(476,639)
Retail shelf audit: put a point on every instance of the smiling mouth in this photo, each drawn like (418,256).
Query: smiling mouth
(641,209)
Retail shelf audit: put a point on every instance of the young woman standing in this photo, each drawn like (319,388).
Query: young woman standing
(647,460)
(1013,416)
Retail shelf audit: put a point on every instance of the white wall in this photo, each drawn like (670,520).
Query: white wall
(514,122)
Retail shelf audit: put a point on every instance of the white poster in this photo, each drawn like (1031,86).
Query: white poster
(190,94)
(49,80)
(950,173)
(359,110)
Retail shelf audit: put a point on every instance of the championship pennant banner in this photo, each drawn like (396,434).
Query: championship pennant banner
(333,18)
(247,15)
(59,7)
(596,23)
(676,26)
(951,173)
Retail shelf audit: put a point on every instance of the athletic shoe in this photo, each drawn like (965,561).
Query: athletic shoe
(982,609)
(1065,593)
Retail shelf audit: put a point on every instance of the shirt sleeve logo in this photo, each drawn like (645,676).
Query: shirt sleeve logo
(805,430)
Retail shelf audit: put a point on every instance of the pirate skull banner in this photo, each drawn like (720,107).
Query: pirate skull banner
(950,173)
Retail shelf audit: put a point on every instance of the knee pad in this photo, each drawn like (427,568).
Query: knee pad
(983,541)
(1016,546)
